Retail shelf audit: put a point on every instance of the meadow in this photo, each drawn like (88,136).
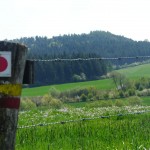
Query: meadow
(136,72)
(105,84)
(90,125)
(81,128)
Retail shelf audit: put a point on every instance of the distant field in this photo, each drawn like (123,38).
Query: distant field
(136,72)
(106,84)
(39,91)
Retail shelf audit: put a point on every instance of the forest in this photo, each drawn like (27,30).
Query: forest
(95,44)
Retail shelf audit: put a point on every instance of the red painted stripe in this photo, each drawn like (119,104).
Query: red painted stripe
(10,102)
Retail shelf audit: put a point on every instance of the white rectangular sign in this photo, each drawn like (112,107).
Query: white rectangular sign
(5,64)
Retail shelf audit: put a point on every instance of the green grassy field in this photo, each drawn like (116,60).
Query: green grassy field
(145,102)
(40,91)
(106,84)
(80,126)
(136,72)
(129,131)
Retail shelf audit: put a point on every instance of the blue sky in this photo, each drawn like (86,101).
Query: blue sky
(26,18)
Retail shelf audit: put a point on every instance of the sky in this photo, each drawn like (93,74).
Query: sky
(29,18)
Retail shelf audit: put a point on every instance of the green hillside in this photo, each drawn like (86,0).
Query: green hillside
(106,84)
(39,91)
(137,71)
(92,45)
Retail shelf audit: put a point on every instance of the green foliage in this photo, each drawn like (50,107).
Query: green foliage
(145,92)
(49,101)
(106,95)
(76,78)
(27,104)
(79,94)
(131,92)
(64,71)
(104,43)
(135,100)
(81,77)
(90,97)
(83,98)
(54,92)
(121,94)
(119,103)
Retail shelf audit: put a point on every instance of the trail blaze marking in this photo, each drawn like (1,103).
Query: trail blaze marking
(5,64)
(10,95)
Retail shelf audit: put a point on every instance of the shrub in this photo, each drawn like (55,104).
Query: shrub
(83,98)
(54,92)
(51,102)
(113,94)
(75,94)
(141,87)
(131,92)
(26,104)
(119,103)
(76,78)
(134,100)
(90,97)
(106,95)
(145,92)
(121,94)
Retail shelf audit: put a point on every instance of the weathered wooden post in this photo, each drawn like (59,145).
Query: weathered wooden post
(12,64)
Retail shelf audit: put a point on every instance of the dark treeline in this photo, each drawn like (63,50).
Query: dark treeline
(102,43)
(94,44)
(69,71)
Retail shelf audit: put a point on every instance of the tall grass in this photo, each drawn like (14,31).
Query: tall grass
(116,132)
(130,132)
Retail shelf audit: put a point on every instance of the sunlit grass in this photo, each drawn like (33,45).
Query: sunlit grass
(40,91)
(117,132)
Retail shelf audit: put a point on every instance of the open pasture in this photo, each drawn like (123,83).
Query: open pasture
(81,128)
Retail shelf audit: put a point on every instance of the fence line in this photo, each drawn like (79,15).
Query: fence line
(82,119)
(87,59)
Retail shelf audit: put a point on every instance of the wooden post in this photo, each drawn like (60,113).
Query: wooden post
(10,92)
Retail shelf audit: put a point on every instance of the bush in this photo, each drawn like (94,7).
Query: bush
(26,104)
(145,92)
(131,92)
(121,94)
(106,95)
(135,100)
(90,97)
(113,94)
(83,98)
(141,87)
(51,102)
(76,94)
(54,92)
(119,103)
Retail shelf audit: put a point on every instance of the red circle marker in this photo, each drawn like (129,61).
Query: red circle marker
(3,64)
